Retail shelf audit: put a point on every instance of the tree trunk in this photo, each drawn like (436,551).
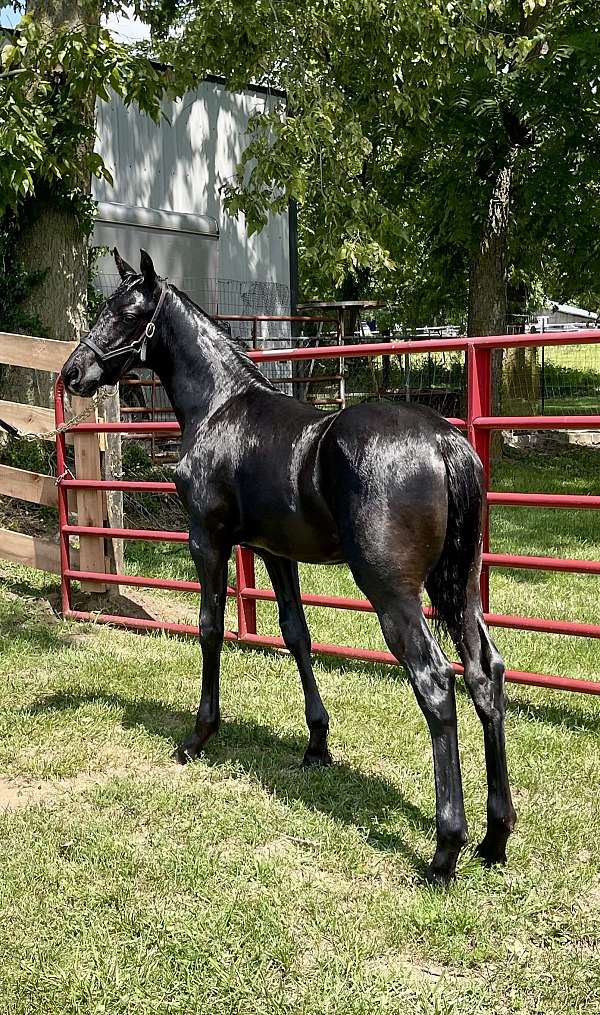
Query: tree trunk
(51,237)
(51,240)
(488,283)
(488,274)
(520,381)
(520,376)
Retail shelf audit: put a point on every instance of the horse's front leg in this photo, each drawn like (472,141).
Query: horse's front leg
(210,558)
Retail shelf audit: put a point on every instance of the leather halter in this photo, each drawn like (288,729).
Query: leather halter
(139,345)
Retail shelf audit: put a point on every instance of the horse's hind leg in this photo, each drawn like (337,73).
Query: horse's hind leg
(284,576)
(484,677)
(432,676)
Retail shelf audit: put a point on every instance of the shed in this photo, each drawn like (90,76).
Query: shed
(166,195)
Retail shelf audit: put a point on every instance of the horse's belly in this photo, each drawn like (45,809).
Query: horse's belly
(292,537)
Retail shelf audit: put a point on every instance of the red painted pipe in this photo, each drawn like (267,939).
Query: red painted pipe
(164,427)
(127,486)
(426,345)
(143,581)
(537,422)
(542,563)
(153,534)
(545,500)
(538,624)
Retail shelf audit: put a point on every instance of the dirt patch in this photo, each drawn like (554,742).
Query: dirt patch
(158,607)
(398,964)
(20,794)
(287,845)
(139,604)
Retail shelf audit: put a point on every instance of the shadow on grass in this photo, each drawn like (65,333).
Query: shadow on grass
(48,633)
(566,716)
(348,795)
(49,591)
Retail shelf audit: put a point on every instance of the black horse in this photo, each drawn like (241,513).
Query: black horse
(393,490)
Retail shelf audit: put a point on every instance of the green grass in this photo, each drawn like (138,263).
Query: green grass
(243,885)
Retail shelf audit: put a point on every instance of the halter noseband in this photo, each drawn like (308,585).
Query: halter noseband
(139,345)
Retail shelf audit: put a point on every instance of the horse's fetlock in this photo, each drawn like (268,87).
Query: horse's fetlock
(318,721)
(455,836)
(501,817)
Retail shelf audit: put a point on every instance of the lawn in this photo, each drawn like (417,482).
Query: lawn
(242,884)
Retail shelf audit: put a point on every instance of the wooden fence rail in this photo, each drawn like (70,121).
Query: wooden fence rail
(45,354)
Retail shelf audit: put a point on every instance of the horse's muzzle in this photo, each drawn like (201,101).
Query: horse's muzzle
(81,373)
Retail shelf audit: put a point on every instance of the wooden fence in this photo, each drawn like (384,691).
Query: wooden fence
(90,505)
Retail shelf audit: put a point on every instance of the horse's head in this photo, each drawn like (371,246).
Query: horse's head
(121,333)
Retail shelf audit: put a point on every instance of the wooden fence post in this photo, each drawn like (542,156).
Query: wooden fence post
(89,502)
(113,467)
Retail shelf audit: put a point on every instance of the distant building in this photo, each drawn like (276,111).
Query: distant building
(166,197)
(563,317)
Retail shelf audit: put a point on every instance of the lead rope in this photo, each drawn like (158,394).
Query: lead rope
(27,435)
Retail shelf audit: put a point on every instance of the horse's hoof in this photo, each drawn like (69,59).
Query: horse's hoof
(437,878)
(491,854)
(317,760)
(183,755)
(188,750)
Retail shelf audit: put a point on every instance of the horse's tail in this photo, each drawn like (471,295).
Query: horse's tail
(447,581)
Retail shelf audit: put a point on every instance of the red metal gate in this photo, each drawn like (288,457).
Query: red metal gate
(479,424)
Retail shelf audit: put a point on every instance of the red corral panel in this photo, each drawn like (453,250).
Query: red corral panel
(479,425)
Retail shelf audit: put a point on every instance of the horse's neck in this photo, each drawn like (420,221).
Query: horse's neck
(198,365)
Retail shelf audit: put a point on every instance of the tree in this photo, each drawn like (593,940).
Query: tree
(58,61)
(424,143)
(410,127)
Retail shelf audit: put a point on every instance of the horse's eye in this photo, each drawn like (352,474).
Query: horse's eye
(129,317)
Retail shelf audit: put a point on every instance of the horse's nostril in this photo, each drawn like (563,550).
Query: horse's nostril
(72,375)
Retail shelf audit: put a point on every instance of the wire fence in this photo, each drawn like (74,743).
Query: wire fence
(544,380)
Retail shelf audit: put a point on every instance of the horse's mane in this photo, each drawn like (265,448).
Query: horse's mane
(238,347)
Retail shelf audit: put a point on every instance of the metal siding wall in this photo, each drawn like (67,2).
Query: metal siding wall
(179,164)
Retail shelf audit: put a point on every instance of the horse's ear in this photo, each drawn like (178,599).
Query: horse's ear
(123,268)
(147,269)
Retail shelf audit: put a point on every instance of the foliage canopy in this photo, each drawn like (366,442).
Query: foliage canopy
(399,116)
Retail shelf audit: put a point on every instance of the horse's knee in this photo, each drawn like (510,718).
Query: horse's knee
(294,634)
(211,635)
